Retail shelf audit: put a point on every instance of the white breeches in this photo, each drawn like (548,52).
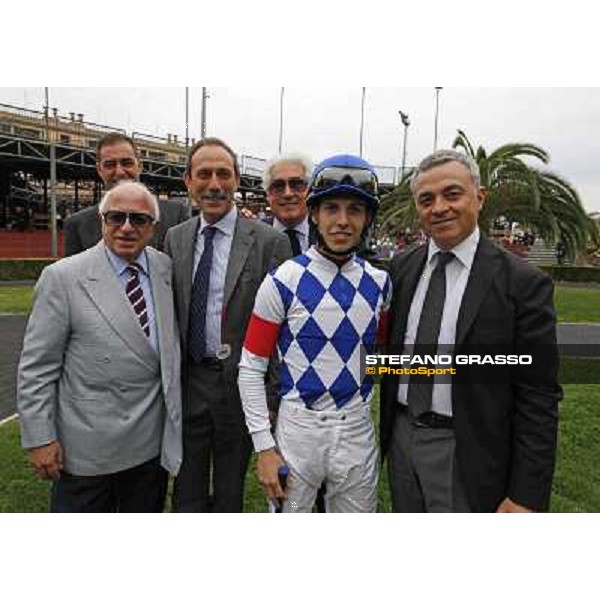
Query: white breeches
(337,447)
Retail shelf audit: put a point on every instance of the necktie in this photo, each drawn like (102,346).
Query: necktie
(135,294)
(293,235)
(420,387)
(199,301)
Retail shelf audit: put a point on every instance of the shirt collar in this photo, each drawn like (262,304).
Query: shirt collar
(327,263)
(465,251)
(226,224)
(301,228)
(120,264)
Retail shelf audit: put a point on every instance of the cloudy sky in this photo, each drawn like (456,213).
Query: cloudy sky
(322,121)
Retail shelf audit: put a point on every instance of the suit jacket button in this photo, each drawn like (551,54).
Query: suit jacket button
(106,359)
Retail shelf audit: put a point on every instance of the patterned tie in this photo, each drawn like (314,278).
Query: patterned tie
(199,301)
(420,387)
(134,292)
(293,235)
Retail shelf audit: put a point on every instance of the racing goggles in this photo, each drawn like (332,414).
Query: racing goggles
(330,177)
(117,218)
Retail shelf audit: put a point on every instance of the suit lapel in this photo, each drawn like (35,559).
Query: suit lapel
(240,247)
(106,292)
(483,272)
(160,282)
(185,256)
(407,281)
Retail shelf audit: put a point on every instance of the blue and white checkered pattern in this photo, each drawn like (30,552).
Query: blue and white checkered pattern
(326,314)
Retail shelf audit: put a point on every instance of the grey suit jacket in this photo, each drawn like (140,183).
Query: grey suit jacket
(89,377)
(255,250)
(84,229)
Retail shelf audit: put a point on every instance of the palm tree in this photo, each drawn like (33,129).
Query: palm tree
(537,199)
(397,211)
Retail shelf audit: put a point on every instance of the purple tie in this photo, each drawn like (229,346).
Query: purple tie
(134,292)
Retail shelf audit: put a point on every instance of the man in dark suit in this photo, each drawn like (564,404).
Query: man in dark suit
(220,260)
(285,179)
(117,160)
(474,445)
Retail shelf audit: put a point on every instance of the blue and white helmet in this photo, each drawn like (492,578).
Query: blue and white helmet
(344,174)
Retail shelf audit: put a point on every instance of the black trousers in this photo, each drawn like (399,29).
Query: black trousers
(141,489)
(216,445)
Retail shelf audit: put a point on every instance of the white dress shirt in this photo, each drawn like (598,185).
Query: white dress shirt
(457,276)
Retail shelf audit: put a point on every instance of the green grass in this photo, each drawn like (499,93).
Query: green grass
(15,299)
(573,305)
(576,482)
(577,305)
(21,490)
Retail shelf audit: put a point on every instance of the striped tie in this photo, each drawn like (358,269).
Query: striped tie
(134,292)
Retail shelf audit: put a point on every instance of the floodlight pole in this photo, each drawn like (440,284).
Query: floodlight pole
(437,114)
(406,123)
(281,119)
(362,120)
(52,148)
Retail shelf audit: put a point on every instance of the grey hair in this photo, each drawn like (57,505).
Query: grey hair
(441,157)
(292,159)
(133,186)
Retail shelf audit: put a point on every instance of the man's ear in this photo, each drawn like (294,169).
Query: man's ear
(482,195)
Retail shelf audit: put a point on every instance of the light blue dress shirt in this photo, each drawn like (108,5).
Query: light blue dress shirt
(301,229)
(221,249)
(120,266)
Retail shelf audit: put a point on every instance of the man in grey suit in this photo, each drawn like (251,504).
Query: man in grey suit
(219,261)
(99,393)
(117,160)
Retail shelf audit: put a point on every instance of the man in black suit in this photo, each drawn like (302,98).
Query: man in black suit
(285,179)
(474,445)
(117,159)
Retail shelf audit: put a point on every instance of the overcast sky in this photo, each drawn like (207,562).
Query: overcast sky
(323,121)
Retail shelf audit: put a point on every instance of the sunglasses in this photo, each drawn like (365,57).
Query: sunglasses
(297,185)
(358,178)
(117,218)
(110,163)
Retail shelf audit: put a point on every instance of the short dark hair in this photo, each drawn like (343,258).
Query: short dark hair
(112,138)
(211,141)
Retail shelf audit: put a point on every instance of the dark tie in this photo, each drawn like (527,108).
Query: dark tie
(135,294)
(197,326)
(420,387)
(293,235)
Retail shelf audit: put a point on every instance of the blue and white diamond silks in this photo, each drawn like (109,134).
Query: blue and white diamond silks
(326,313)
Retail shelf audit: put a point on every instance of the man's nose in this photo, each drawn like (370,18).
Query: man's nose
(439,204)
(214,183)
(127,225)
(342,218)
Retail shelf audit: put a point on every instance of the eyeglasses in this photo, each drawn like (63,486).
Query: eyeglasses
(362,179)
(297,185)
(117,218)
(111,163)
